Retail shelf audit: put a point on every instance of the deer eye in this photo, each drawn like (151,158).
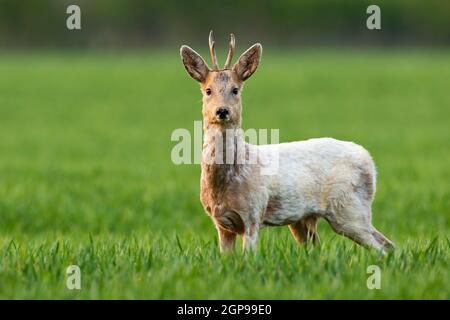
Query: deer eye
(208,92)
(235,91)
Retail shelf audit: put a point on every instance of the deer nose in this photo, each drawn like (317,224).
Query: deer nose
(222,113)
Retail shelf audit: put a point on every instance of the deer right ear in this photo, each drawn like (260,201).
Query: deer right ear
(248,62)
(194,64)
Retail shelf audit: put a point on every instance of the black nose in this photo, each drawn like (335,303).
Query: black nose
(222,113)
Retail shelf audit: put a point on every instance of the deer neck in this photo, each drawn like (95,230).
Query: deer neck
(223,149)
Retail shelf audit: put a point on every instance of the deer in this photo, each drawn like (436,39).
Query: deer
(319,178)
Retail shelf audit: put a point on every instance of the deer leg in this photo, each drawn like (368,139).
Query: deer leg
(361,234)
(250,237)
(305,230)
(226,239)
(354,223)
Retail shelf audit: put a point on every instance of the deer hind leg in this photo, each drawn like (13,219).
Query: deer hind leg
(385,242)
(305,230)
(354,222)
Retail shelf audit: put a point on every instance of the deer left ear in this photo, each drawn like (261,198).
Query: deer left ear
(194,64)
(248,62)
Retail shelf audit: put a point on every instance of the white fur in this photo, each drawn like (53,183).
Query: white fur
(325,177)
(309,169)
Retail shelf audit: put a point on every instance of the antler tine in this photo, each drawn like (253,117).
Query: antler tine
(230,52)
(212,51)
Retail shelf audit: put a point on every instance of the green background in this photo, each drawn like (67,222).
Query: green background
(85,171)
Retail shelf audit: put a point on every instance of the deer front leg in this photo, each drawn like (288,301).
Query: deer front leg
(226,240)
(250,237)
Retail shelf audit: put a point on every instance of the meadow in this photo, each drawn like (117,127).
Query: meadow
(86,177)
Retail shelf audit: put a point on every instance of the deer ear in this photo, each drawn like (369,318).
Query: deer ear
(248,62)
(194,64)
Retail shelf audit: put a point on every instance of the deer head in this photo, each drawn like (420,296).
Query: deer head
(221,88)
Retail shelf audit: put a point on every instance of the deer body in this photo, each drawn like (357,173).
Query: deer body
(316,178)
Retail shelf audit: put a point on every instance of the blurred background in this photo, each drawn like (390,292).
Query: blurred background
(86,118)
(140,23)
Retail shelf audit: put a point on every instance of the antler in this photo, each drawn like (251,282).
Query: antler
(213,53)
(230,52)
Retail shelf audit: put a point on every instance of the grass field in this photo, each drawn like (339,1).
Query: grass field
(86,176)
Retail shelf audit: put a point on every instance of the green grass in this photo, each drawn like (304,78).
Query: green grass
(86,176)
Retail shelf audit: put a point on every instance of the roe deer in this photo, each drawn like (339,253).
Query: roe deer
(316,178)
